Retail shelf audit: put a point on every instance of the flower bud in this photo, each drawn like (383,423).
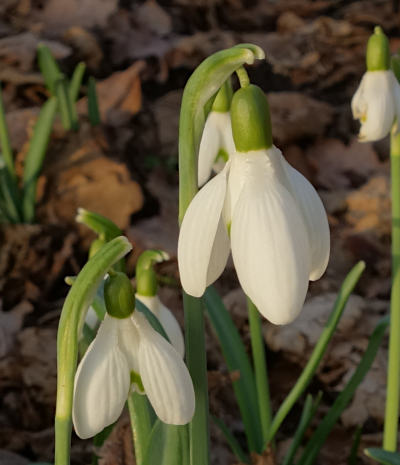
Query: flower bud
(95,246)
(222,102)
(119,295)
(251,121)
(378,51)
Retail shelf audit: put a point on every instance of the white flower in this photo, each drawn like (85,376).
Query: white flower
(103,378)
(167,320)
(376,104)
(217,135)
(279,233)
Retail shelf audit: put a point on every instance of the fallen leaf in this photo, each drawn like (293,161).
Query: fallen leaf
(10,324)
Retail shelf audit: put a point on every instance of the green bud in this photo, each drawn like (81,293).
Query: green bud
(119,295)
(251,121)
(146,279)
(222,102)
(378,51)
(95,246)
(395,65)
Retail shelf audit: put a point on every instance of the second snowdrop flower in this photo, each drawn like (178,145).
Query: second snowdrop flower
(376,102)
(127,350)
(216,145)
(263,210)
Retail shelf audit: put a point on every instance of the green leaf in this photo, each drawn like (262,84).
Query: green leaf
(237,360)
(65,105)
(168,445)
(35,156)
(151,318)
(320,348)
(93,106)
(76,81)
(49,68)
(383,456)
(324,428)
(6,150)
(307,415)
(352,460)
(231,440)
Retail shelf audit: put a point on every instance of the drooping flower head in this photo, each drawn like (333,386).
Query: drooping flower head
(126,354)
(376,103)
(261,209)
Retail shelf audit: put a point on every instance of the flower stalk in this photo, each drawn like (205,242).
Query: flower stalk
(393,376)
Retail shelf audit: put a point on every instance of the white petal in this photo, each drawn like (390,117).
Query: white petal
(91,318)
(270,245)
(165,377)
(374,104)
(199,231)
(209,146)
(101,382)
(128,342)
(313,211)
(167,319)
(237,177)
(225,125)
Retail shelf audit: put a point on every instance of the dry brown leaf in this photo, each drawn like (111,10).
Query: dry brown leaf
(20,50)
(338,165)
(59,15)
(10,324)
(293,116)
(85,44)
(119,96)
(152,16)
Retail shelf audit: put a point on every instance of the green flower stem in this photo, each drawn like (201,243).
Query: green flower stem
(243,77)
(139,413)
(260,368)
(73,314)
(196,359)
(319,350)
(146,279)
(393,375)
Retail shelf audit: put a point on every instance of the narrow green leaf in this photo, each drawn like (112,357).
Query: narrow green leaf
(5,141)
(307,415)
(139,413)
(93,107)
(352,460)
(231,440)
(383,456)
(66,107)
(76,81)
(325,427)
(35,156)
(151,318)
(320,348)
(168,445)
(49,68)
(9,197)
(237,360)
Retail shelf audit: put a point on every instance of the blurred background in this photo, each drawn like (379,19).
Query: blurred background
(141,54)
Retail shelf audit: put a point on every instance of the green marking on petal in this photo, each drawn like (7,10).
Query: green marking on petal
(222,156)
(137,380)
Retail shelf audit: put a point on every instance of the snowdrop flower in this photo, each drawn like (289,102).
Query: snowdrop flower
(263,210)
(146,282)
(216,143)
(376,102)
(128,350)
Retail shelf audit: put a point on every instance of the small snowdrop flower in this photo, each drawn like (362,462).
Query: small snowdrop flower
(146,284)
(216,143)
(376,102)
(128,350)
(263,210)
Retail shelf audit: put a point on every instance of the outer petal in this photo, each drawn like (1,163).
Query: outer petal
(313,211)
(358,102)
(375,106)
(396,87)
(167,320)
(270,245)
(200,262)
(101,382)
(209,146)
(165,377)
